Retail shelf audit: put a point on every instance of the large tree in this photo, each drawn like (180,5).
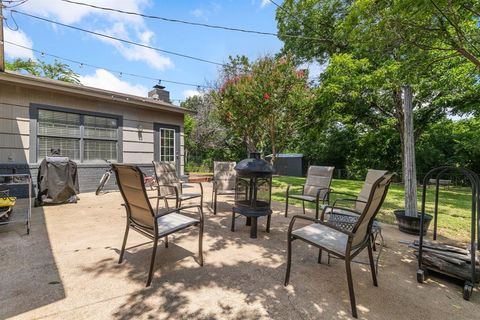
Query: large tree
(264,102)
(57,70)
(369,57)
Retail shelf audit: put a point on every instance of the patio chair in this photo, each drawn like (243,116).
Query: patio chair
(315,189)
(142,218)
(340,242)
(223,181)
(170,187)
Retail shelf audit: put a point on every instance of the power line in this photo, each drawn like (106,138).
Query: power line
(83,64)
(198,24)
(120,39)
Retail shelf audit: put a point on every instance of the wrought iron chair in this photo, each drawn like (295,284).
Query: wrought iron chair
(170,187)
(342,243)
(315,189)
(223,181)
(142,218)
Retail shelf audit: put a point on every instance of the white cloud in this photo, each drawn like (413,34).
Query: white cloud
(265,3)
(197,13)
(136,53)
(124,26)
(20,38)
(72,13)
(104,79)
(191,93)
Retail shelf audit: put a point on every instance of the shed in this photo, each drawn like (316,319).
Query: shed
(288,164)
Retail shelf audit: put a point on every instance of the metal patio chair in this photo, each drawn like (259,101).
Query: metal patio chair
(170,187)
(344,243)
(224,176)
(154,224)
(315,189)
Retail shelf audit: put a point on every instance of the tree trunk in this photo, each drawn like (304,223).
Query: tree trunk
(409,169)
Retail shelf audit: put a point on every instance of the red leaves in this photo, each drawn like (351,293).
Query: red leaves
(266,96)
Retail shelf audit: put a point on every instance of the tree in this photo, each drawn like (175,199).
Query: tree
(206,138)
(57,70)
(263,102)
(369,59)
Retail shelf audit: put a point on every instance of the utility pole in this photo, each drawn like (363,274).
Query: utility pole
(2,43)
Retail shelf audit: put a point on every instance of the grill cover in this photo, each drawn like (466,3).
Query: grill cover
(57,181)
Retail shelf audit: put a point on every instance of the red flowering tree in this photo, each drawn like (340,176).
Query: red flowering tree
(263,102)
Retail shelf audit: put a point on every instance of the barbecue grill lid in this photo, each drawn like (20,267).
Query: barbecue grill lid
(254,167)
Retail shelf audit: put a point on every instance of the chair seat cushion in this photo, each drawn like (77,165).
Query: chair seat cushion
(225,192)
(185,196)
(302,197)
(173,222)
(323,236)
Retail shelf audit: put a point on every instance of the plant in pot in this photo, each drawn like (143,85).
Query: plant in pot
(408,219)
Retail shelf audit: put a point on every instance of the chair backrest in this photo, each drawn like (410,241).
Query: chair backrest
(224,175)
(318,178)
(166,174)
(132,188)
(374,192)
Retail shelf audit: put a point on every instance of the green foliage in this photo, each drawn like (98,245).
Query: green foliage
(57,70)
(370,53)
(264,102)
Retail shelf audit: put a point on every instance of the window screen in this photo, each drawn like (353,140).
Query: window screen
(72,132)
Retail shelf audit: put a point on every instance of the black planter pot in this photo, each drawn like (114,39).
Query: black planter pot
(411,225)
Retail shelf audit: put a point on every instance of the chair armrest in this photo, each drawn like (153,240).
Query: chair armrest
(199,183)
(326,194)
(343,193)
(169,211)
(156,197)
(175,188)
(346,199)
(294,218)
(333,207)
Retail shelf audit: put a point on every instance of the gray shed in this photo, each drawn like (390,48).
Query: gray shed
(288,164)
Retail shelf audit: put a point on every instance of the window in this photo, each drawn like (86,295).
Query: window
(167,145)
(80,137)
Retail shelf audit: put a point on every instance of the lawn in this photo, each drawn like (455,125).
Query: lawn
(454,206)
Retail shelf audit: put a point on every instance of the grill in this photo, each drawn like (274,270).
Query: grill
(253,192)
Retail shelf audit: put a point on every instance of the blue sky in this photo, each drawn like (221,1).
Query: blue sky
(210,44)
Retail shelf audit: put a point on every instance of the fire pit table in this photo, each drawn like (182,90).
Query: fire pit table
(253,192)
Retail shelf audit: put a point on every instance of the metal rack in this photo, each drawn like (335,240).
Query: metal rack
(22,210)
(474,180)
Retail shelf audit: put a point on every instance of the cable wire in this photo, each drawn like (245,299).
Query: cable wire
(83,64)
(119,39)
(198,24)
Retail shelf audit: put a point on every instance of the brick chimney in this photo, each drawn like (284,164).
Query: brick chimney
(159,93)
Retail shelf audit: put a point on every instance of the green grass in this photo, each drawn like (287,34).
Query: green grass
(454,212)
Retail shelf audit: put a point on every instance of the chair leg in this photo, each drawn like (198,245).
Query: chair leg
(124,243)
(316,211)
(350,287)
(166,241)
(319,255)
(303,205)
(215,204)
(372,265)
(286,207)
(152,262)
(200,244)
(233,221)
(269,218)
(289,260)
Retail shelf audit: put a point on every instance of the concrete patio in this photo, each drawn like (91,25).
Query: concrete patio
(67,269)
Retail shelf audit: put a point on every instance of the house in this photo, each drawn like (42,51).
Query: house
(89,125)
